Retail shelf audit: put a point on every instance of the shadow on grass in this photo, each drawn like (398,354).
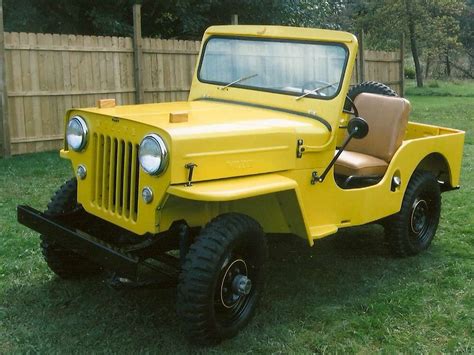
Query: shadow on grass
(302,282)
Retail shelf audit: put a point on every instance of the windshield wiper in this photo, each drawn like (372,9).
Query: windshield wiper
(238,81)
(314,91)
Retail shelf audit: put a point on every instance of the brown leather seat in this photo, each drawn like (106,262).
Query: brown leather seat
(387,118)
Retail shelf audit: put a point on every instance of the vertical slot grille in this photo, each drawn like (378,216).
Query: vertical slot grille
(115,176)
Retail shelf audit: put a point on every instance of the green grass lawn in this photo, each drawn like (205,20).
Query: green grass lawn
(456,88)
(346,294)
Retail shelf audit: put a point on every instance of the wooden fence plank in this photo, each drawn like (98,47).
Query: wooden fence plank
(124,74)
(146,73)
(5,144)
(138,53)
(116,69)
(6,127)
(66,100)
(47,83)
(35,102)
(160,72)
(130,68)
(31,117)
(18,127)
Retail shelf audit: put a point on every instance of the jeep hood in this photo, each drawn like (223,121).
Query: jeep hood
(223,139)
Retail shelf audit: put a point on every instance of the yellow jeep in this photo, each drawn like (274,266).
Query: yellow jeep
(271,140)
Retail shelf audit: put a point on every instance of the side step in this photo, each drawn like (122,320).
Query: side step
(81,243)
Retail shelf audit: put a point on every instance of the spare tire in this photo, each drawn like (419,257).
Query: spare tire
(371,87)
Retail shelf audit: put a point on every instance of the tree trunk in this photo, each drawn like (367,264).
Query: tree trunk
(414,48)
(427,68)
(448,65)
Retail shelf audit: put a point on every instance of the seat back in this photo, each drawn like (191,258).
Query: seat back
(387,117)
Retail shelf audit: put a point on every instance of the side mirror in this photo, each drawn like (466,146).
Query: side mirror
(357,127)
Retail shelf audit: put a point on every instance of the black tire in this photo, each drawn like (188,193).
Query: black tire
(371,87)
(411,230)
(207,304)
(63,262)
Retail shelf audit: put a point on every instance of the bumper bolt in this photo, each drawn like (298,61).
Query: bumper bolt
(81,172)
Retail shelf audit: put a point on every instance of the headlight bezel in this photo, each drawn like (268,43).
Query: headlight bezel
(164,155)
(85,133)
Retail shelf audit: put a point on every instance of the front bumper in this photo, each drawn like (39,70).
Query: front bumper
(102,253)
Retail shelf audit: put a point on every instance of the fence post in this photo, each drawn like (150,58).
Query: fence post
(402,65)
(234,19)
(361,57)
(138,53)
(4,124)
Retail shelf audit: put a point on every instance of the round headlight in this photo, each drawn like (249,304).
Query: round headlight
(153,154)
(76,133)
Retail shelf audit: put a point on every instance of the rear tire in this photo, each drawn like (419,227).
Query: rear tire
(215,297)
(63,262)
(412,230)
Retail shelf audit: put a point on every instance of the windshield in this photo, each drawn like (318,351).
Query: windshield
(297,68)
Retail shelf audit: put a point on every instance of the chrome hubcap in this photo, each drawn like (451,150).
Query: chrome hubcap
(235,283)
(419,216)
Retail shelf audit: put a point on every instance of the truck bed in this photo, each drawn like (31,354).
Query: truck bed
(420,130)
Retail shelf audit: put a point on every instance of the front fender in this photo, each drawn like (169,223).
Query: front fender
(234,188)
(273,200)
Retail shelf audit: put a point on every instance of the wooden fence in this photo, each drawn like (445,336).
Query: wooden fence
(46,74)
(384,67)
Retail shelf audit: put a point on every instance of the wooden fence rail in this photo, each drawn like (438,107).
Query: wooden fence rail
(46,74)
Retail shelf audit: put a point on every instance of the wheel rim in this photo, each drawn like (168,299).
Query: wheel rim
(234,293)
(420,219)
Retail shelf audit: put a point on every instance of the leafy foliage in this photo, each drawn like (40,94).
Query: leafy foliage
(466,37)
(163,18)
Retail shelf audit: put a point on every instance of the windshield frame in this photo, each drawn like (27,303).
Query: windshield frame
(282,40)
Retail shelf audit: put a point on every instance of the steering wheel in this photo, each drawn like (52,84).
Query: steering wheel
(306,85)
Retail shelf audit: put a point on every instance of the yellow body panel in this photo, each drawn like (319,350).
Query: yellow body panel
(244,143)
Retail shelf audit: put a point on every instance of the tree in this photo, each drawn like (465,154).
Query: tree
(163,18)
(110,17)
(466,37)
(311,13)
(410,20)
(432,26)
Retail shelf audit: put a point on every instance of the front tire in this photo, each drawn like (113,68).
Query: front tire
(222,278)
(63,262)
(412,230)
